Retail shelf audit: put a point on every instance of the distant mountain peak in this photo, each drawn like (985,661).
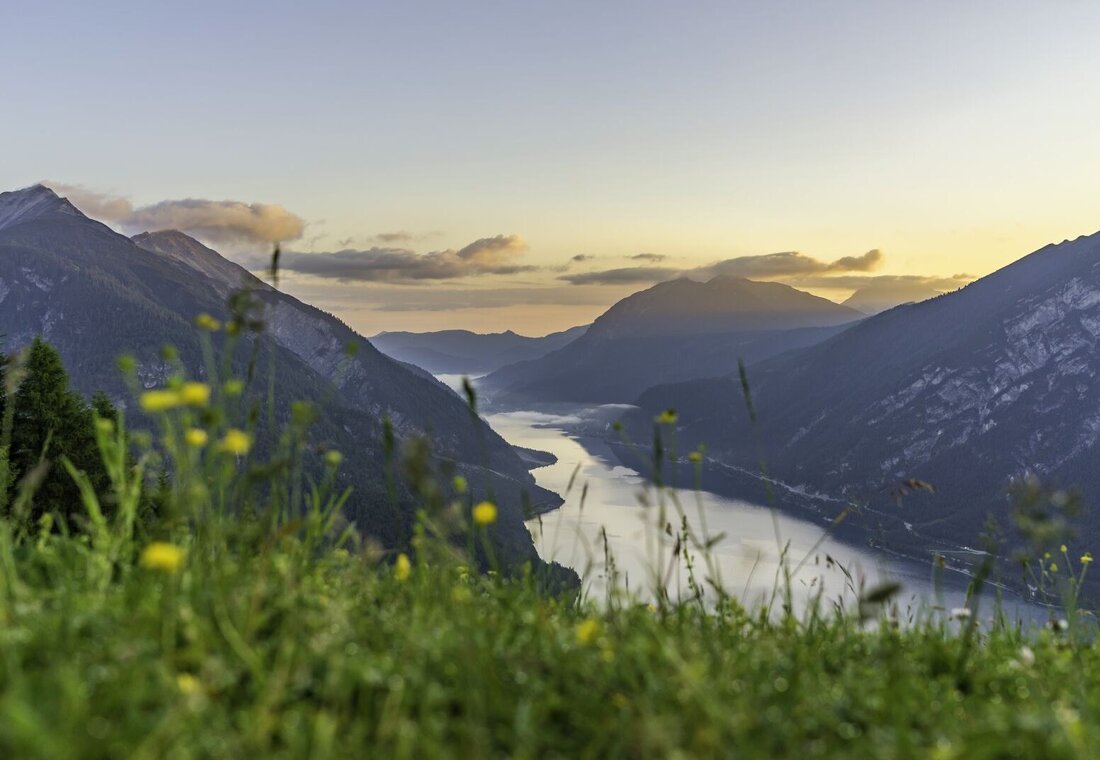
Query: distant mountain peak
(18,206)
(723,279)
(166,235)
(726,303)
(187,250)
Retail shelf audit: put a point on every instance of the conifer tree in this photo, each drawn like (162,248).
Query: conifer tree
(51,422)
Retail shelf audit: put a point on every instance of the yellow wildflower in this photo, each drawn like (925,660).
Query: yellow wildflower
(195,394)
(196,438)
(695,457)
(233,387)
(333,458)
(159,401)
(235,442)
(667,417)
(485,513)
(587,631)
(163,556)
(188,684)
(1086,558)
(460,484)
(1053,567)
(206,322)
(1064,549)
(402,568)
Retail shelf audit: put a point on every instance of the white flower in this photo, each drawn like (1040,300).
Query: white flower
(961,613)
(1026,656)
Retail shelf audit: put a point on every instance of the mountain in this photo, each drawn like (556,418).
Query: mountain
(96,294)
(676,330)
(964,391)
(877,298)
(461,352)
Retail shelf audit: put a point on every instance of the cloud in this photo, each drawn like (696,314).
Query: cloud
(654,257)
(103,206)
(393,237)
(857,282)
(623,276)
(402,237)
(866,263)
(765,266)
(218,221)
(213,221)
(399,297)
(790,263)
(492,255)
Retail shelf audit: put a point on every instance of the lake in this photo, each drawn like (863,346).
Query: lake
(750,545)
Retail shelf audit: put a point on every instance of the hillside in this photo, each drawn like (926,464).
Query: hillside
(676,330)
(461,352)
(964,391)
(96,294)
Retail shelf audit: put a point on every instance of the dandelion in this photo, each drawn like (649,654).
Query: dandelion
(333,458)
(233,387)
(460,484)
(206,322)
(485,513)
(1053,567)
(196,438)
(162,556)
(235,442)
(402,568)
(195,394)
(1064,549)
(1086,558)
(587,631)
(159,401)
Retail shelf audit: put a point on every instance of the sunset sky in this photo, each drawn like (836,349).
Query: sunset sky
(496,165)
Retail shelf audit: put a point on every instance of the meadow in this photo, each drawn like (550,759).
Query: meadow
(211,601)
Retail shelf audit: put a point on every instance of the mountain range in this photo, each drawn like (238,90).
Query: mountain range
(965,392)
(96,294)
(676,330)
(461,352)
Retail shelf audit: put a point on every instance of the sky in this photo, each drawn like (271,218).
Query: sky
(522,165)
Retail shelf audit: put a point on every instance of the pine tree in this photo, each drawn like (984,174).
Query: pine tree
(51,422)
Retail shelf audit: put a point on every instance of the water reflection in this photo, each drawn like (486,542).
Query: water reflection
(604,498)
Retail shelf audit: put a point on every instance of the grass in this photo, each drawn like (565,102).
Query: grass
(285,652)
(242,618)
